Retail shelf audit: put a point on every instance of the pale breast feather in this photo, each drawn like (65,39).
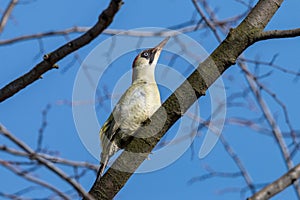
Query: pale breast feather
(131,110)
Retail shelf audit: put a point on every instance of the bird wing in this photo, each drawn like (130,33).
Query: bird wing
(107,133)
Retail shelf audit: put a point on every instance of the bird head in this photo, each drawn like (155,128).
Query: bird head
(145,62)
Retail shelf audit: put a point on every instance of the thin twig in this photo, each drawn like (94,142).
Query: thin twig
(208,22)
(49,165)
(270,119)
(77,29)
(50,158)
(270,64)
(33,179)
(7,13)
(279,185)
(212,173)
(239,163)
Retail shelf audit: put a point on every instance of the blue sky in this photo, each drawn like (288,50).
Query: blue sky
(22,114)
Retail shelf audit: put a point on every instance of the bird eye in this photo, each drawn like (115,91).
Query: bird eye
(145,54)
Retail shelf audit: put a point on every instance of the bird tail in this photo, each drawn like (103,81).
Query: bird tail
(102,167)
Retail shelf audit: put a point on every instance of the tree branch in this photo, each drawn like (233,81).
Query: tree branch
(207,21)
(50,59)
(7,13)
(47,164)
(79,29)
(239,164)
(207,72)
(67,31)
(53,159)
(275,34)
(33,179)
(272,123)
(279,185)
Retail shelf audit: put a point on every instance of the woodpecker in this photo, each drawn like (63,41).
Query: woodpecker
(135,106)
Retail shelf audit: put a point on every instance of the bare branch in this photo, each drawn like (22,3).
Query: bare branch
(270,119)
(273,95)
(213,18)
(279,185)
(13,196)
(212,173)
(7,13)
(50,158)
(275,34)
(74,29)
(49,165)
(33,179)
(50,59)
(77,29)
(209,24)
(239,163)
(270,64)
(42,128)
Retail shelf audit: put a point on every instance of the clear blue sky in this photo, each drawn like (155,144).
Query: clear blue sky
(22,114)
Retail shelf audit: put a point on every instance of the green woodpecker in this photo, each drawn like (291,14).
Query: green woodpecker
(135,106)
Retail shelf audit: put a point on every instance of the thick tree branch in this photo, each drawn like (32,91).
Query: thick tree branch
(7,13)
(280,184)
(50,59)
(207,72)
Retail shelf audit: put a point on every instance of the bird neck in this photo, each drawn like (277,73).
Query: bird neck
(143,75)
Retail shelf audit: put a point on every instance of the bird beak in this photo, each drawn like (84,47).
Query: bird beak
(155,53)
(160,46)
